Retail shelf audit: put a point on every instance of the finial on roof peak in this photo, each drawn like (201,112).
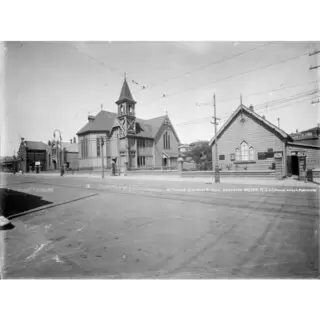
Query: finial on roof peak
(240,99)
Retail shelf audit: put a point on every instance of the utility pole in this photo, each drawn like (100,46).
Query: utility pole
(315,54)
(102,160)
(216,169)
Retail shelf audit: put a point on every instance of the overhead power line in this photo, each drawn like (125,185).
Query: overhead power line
(209,103)
(238,75)
(188,73)
(271,105)
(110,69)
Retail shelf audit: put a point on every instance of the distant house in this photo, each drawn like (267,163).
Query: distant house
(249,141)
(310,136)
(129,141)
(31,152)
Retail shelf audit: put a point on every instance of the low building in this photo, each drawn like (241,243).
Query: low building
(32,152)
(247,141)
(71,154)
(129,141)
(310,134)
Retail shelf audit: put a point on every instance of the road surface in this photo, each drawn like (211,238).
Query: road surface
(67,227)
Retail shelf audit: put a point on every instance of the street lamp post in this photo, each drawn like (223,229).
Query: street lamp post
(59,157)
(102,160)
(216,169)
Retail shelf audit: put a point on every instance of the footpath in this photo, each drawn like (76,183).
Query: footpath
(288,182)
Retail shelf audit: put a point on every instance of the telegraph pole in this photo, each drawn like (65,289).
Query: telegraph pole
(102,161)
(316,68)
(216,168)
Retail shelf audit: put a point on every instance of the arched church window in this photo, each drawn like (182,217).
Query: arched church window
(244,151)
(237,154)
(251,153)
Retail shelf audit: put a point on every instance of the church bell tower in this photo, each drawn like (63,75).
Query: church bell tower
(126,111)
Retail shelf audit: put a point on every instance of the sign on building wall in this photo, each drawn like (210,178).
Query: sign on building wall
(265,155)
(278,154)
(262,155)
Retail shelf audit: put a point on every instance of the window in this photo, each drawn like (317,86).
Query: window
(130,110)
(232,157)
(141,161)
(141,143)
(238,155)
(244,151)
(221,157)
(166,140)
(121,109)
(84,148)
(81,149)
(251,153)
(98,147)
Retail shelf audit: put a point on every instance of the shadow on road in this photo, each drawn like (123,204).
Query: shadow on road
(14,202)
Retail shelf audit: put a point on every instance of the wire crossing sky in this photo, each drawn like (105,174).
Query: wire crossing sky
(55,85)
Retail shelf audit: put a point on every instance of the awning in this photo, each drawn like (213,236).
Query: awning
(169,154)
(164,155)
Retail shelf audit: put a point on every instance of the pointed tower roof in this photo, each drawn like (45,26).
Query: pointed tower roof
(125,93)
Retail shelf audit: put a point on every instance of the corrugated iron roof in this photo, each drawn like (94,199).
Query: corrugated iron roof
(70,147)
(105,121)
(37,145)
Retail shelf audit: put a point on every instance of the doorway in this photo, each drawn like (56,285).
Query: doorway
(164,162)
(293,165)
(54,162)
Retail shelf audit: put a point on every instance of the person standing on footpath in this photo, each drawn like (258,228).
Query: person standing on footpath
(62,170)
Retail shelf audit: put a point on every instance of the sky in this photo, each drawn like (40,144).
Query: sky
(55,85)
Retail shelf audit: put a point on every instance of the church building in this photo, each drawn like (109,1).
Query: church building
(248,141)
(130,142)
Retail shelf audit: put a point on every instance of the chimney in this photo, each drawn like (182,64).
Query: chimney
(70,140)
(297,130)
(278,122)
(251,107)
(74,140)
(263,116)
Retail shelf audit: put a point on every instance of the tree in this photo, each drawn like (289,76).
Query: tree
(201,154)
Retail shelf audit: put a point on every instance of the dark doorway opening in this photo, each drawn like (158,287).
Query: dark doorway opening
(54,162)
(164,162)
(293,165)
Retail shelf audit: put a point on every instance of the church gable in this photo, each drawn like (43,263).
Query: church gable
(245,119)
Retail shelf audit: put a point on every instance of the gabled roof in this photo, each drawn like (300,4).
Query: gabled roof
(102,122)
(37,145)
(255,116)
(307,143)
(125,93)
(155,123)
(70,147)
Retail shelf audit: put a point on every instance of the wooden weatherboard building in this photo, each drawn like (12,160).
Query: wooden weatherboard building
(131,142)
(247,141)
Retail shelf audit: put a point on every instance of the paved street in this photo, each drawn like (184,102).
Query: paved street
(130,228)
